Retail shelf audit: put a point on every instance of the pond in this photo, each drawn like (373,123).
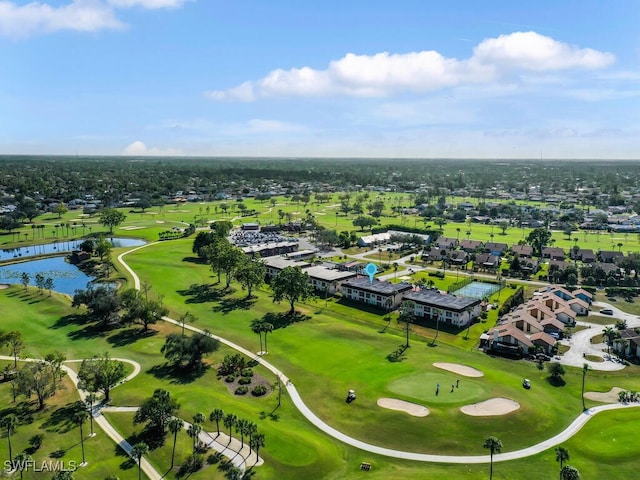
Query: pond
(61,246)
(66,278)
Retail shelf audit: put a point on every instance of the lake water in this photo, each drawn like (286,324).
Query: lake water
(478,290)
(67,278)
(61,246)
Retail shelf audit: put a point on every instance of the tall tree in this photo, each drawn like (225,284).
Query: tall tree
(79,417)
(89,400)
(111,218)
(229,422)
(174,425)
(257,441)
(291,284)
(101,374)
(257,327)
(562,455)
(157,411)
(137,452)
(9,422)
(407,316)
(216,416)
(38,378)
(494,445)
(194,431)
(140,309)
(585,370)
(538,238)
(16,344)
(102,302)
(189,318)
(188,352)
(250,273)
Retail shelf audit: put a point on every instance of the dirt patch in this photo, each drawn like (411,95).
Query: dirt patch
(491,407)
(255,381)
(463,370)
(411,408)
(605,397)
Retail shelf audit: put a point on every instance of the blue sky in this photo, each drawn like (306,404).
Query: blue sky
(463,79)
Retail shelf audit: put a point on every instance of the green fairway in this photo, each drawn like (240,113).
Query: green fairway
(423,386)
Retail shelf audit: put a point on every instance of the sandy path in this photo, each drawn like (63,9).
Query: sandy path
(493,406)
(407,407)
(606,397)
(459,369)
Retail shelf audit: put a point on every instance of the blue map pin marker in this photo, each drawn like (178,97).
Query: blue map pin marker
(371,270)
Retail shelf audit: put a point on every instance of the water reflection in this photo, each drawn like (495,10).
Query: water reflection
(60,246)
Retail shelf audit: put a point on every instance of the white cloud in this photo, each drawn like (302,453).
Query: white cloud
(148,4)
(36,17)
(138,148)
(384,74)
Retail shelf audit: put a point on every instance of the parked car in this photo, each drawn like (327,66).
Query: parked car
(606,311)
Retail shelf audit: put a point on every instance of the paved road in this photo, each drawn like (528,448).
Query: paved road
(320,424)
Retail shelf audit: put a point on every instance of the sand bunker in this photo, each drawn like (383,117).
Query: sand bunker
(407,407)
(493,406)
(605,397)
(3,286)
(459,369)
(133,227)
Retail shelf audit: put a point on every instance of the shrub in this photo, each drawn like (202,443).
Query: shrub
(259,390)
(36,441)
(230,378)
(241,390)
(244,380)
(192,464)
(247,372)
(214,458)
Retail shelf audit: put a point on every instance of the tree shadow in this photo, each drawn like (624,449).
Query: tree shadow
(180,376)
(284,319)
(202,293)
(556,381)
(22,410)
(61,419)
(398,355)
(128,336)
(151,437)
(89,332)
(73,319)
(228,305)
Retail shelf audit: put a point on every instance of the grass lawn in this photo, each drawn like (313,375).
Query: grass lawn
(334,347)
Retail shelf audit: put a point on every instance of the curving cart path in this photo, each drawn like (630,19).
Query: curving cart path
(561,437)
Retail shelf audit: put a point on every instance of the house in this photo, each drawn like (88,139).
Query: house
(270,249)
(471,246)
(434,254)
(585,255)
(496,248)
(487,261)
(583,295)
(529,266)
(508,339)
(444,307)
(523,251)
(544,341)
(608,256)
(554,253)
(328,280)
(458,257)
(446,243)
(384,295)
(629,342)
(277,263)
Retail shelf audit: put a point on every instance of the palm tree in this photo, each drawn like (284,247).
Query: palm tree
(22,462)
(609,333)
(194,432)
(79,418)
(10,422)
(187,317)
(199,418)
(174,425)
(266,328)
(256,327)
(494,445)
(257,441)
(137,452)
(468,310)
(585,370)
(407,316)
(562,455)
(436,313)
(251,430)
(89,401)
(241,428)
(569,473)
(216,416)
(229,421)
